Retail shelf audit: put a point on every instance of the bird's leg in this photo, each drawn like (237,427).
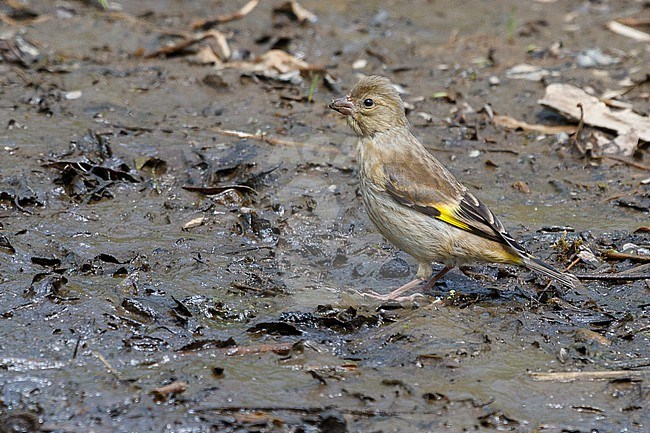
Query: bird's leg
(471,272)
(395,294)
(436,277)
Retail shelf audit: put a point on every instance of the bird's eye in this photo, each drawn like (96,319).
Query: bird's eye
(368,102)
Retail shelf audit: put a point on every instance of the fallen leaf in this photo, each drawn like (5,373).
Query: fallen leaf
(521,186)
(566,97)
(273,62)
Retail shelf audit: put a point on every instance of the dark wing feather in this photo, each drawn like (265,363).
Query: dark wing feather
(440,196)
(478,217)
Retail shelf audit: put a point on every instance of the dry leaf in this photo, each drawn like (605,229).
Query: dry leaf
(565,99)
(275,64)
(521,186)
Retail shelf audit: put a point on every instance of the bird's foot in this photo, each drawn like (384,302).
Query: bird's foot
(392,296)
(395,294)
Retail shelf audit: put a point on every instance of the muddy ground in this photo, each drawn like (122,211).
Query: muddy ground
(141,247)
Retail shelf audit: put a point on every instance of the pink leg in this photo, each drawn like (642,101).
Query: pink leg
(395,294)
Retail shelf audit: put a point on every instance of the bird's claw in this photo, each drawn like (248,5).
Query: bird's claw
(391,297)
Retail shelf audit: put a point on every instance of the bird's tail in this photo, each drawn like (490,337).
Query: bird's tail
(537,265)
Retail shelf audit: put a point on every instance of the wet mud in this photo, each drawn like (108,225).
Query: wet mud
(183,246)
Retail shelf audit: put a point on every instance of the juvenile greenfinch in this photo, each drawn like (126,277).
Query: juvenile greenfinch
(415,202)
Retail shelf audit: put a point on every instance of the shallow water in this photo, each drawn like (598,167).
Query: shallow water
(104,300)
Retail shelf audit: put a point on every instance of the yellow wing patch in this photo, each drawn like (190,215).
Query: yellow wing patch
(504,255)
(447,215)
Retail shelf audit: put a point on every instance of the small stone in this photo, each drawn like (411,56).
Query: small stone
(359,64)
(75,94)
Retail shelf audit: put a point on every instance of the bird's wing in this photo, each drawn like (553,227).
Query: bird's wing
(427,187)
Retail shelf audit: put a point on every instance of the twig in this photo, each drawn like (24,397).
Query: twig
(107,365)
(616,255)
(265,138)
(628,162)
(259,137)
(572,264)
(613,197)
(615,277)
(568,376)
(76,348)
(575,137)
(211,22)
(513,152)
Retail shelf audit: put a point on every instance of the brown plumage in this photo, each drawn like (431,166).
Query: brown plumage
(414,201)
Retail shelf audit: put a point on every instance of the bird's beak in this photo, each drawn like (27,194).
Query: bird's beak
(343,106)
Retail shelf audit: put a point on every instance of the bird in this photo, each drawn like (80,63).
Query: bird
(415,202)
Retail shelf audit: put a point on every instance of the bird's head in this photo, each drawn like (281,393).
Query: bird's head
(372,106)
